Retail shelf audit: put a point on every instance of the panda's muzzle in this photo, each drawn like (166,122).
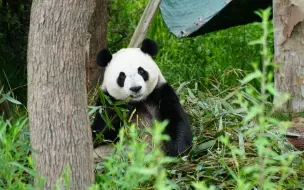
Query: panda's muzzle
(136,89)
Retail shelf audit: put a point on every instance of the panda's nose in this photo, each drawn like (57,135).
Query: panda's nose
(135,88)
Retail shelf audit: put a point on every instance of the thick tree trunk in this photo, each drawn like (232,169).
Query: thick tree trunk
(98,30)
(57,98)
(289,48)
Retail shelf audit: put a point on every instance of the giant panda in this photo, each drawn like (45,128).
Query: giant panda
(131,75)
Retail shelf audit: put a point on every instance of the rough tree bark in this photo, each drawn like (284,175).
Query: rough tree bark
(289,38)
(58,50)
(98,30)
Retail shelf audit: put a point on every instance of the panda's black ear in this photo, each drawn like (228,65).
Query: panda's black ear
(150,47)
(103,57)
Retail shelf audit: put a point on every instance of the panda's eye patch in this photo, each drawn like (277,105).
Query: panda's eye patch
(122,75)
(143,73)
(121,79)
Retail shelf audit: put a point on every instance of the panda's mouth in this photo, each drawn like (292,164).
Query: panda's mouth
(136,96)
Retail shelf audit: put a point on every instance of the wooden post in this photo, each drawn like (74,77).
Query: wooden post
(144,23)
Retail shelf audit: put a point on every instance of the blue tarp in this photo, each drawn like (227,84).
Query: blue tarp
(195,17)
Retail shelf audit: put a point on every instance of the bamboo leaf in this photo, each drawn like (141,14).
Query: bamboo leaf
(9,98)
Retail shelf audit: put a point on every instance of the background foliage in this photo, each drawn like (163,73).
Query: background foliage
(14,24)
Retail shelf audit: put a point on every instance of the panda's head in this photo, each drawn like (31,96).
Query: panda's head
(130,74)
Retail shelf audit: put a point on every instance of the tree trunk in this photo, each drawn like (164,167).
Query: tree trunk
(58,49)
(98,30)
(289,38)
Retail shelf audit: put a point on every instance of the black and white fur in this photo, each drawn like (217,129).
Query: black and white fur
(131,74)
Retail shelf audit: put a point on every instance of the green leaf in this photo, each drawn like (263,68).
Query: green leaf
(272,90)
(191,94)
(9,98)
(28,170)
(253,112)
(93,109)
(251,76)
(255,42)
(205,145)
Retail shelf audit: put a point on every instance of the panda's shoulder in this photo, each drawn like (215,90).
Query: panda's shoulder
(163,91)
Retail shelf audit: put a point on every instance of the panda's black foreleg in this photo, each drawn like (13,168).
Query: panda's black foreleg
(178,128)
(100,127)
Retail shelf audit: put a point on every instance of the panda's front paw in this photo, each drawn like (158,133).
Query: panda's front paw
(178,148)
(129,107)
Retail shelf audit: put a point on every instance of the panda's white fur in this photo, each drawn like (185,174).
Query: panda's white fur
(128,61)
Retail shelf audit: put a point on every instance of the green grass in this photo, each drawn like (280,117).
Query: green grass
(15,162)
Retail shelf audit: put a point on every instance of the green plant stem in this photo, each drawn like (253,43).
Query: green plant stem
(265,63)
